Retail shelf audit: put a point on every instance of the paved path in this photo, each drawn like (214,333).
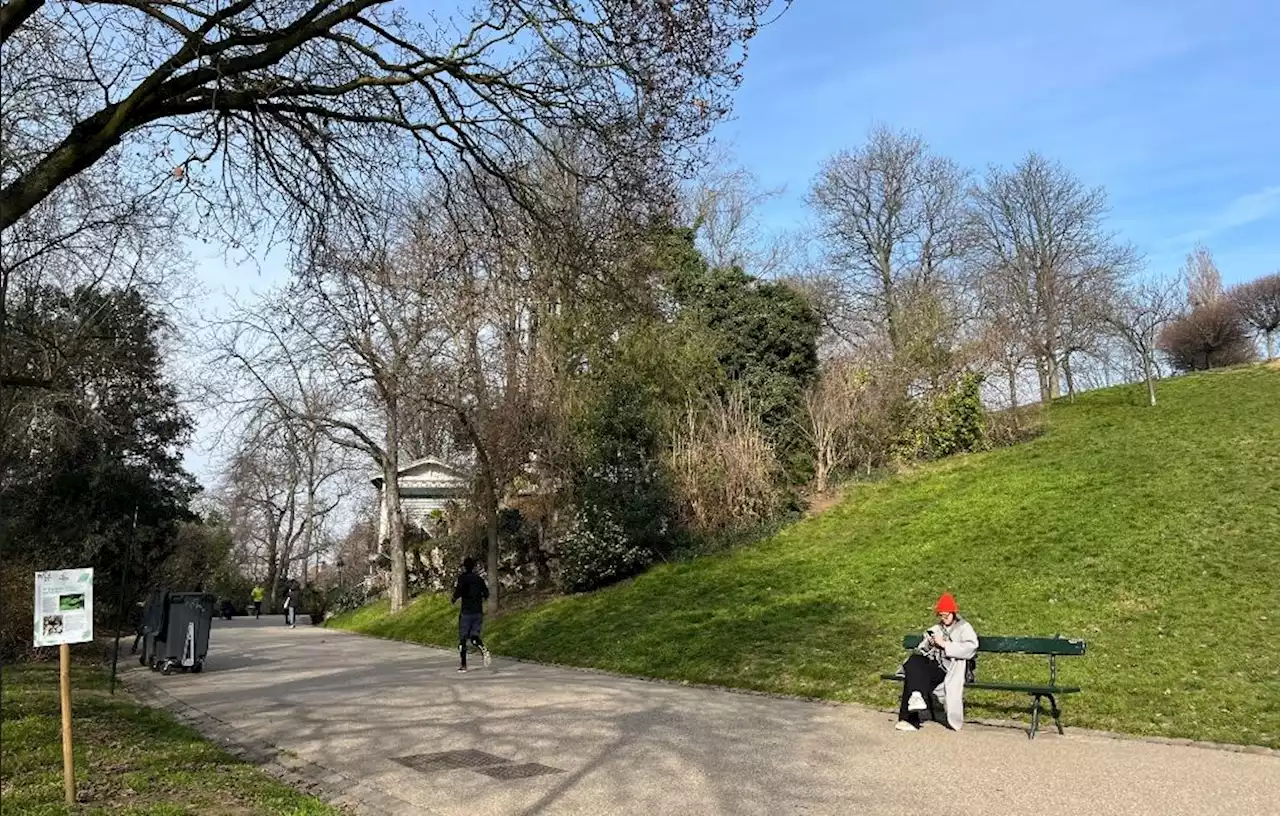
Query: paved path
(353,706)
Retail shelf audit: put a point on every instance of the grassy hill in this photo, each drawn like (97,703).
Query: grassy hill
(1152,533)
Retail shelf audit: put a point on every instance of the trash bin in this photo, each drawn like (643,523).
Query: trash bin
(155,620)
(186,632)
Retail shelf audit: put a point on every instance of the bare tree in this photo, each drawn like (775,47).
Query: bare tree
(1039,238)
(892,222)
(1259,304)
(1201,277)
(1003,345)
(1139,316)
(280,486)
(723,205)
(303,105)
(341,348)
(830,411)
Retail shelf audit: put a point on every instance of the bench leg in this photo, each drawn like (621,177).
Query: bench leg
(1053,708)
(1035,717)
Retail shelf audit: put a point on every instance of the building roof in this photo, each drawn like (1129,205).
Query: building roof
(431,472)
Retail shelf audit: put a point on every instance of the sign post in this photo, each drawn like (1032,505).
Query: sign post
(68,763)
(63,614)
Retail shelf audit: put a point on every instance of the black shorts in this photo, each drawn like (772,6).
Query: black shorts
(469,624)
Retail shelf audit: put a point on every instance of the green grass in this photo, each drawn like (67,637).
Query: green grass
(129,759)
(1154,533)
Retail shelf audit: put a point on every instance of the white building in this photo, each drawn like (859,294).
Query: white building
(426,486)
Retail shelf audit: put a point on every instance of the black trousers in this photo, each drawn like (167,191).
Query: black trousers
(923,675)
(469,625)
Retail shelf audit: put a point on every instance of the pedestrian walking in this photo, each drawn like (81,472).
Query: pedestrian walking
(257,595)
(292,599)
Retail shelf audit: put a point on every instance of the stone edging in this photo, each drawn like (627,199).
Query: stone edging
(333,787)
(1260,750)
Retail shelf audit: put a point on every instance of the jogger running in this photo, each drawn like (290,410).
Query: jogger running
(473,592)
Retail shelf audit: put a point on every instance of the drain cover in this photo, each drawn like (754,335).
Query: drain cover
(451,760)
(517,771)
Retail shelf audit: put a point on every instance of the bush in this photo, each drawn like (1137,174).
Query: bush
(596,552)
(1014,426)
(315,602)
(957,421)
(348,598)
(943,424)
(725,472)
(17,587)
(1212,336)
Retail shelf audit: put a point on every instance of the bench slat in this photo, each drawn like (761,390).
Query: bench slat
(1023,687)
(1016,645)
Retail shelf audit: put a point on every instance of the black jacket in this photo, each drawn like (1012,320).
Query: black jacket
(473,592)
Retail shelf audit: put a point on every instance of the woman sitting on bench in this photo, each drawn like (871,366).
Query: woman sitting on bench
(940,659)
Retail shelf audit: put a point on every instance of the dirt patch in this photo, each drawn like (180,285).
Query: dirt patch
(823,502)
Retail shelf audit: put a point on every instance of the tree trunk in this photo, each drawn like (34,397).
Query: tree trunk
(1012,373)
(1151,380)
(1066,370)
(1042,372)
(1271,345)
(273,566)
(1055,383)
(491,562)
(398,590)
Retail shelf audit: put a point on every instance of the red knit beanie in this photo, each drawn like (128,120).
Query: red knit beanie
(947,603)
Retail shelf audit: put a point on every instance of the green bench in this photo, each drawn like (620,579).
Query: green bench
(1054,647)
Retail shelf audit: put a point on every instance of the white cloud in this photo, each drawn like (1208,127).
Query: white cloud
(1240,211)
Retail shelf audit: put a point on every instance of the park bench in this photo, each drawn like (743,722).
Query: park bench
(1053,647)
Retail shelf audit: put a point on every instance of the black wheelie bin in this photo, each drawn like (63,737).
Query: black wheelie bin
(186,639)
(155,621)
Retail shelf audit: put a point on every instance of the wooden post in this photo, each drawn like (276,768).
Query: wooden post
(68,765)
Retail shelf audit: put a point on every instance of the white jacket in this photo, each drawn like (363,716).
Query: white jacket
(962,644)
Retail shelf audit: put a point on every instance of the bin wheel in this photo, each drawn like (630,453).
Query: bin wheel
(142,660)
(197,667)
(167,668)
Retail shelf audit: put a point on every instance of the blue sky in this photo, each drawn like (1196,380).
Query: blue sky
(1173,106)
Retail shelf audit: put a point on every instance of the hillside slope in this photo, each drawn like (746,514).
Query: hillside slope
(1152,533)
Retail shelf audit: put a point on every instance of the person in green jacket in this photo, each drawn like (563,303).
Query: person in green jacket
(257,595)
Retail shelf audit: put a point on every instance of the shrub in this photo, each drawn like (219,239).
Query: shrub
(957,420)
(17,587)
(725,472)
(620,473)
(596,552)
(1013,426)
(944,423)
(345,599)
(316,602)
(1211,336)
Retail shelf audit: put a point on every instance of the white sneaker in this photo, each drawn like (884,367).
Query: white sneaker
(903,725)
(484,654)
(916,702)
